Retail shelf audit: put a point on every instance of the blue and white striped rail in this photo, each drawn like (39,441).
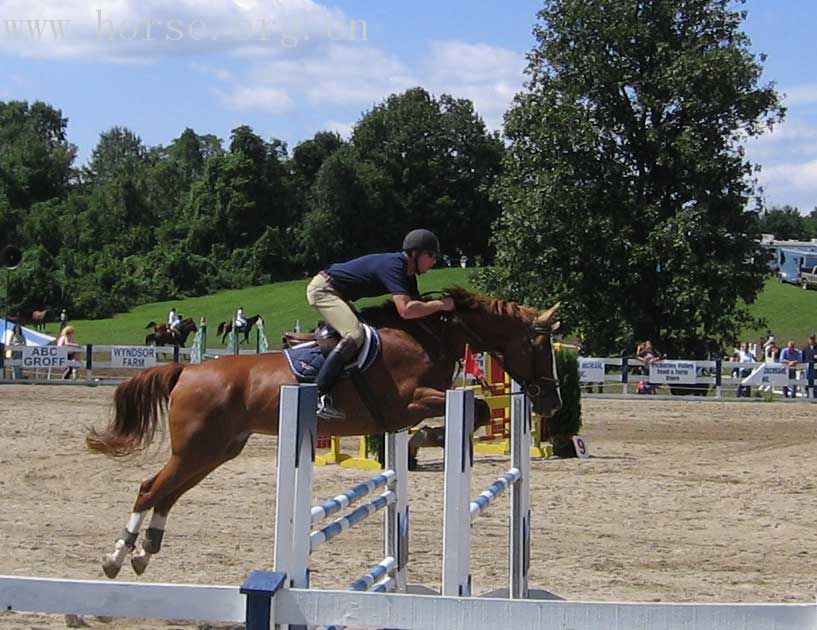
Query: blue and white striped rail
(353,518)
(345,499)
(481,503)
(383,569)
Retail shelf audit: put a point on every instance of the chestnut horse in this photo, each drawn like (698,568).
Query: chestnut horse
(38,319)
(214,407)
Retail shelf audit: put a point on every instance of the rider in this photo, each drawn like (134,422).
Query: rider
(240,319)
(171,317)
(331,291)
(176,324)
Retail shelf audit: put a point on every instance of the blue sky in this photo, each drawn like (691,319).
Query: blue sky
(323,76)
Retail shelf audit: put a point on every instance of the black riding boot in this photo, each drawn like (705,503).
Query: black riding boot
(330,371)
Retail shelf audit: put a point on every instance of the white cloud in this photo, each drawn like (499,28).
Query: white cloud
(125,30)
(344,129)
(338,74)
(804,94)
(257,99)
(488,75)
(800,177)
(793,184)
(219,73)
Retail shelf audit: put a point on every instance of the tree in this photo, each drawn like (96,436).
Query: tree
(785,223)
(349,213)
(625,189)
(118,154)
(35,155)
(440,162)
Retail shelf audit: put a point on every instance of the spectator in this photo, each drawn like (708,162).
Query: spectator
(67,339)
(771,351)
(648,356)
(17,339)
(791,356)
(744,355)
(463,261)
(809,356)
(63,319)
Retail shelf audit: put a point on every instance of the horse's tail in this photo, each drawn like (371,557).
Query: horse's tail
(140,403)
(220,328)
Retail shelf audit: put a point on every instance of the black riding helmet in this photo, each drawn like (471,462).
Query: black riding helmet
(421,240)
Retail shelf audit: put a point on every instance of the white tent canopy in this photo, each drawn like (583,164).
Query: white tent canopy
(33,338)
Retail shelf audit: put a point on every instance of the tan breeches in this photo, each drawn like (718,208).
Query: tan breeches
(334,310)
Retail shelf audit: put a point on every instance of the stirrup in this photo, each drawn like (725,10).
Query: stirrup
(327,410)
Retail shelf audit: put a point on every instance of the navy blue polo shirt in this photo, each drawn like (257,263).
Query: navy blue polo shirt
(372,275)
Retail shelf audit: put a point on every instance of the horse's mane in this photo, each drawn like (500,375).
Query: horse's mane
(386,313)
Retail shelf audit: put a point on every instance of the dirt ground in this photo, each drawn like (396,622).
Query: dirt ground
(681,501)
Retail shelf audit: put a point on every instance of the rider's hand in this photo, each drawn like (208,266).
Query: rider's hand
(448,304)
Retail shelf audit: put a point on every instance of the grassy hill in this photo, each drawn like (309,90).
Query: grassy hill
(790,311)
(281,304)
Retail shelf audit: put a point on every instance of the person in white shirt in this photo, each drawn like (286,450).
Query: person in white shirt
(176,324)
(744,355)
(171,317)
(240,319)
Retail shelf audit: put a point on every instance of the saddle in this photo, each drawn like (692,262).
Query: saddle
(325,337)
(306,352)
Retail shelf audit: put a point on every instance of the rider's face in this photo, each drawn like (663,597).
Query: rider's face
(425,261)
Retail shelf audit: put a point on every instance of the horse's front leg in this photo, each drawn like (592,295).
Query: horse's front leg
(430,403)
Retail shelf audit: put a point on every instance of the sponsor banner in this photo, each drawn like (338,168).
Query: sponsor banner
(44,357)
(591,370)
(673,372)
(133,356)
(775,374)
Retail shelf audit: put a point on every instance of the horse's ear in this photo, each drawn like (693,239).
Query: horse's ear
(544,320)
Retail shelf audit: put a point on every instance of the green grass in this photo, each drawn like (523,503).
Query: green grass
(790,311)
(280,304)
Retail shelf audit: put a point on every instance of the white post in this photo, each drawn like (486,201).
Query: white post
(396,523)
(459,460)
(519,553)
(297,431)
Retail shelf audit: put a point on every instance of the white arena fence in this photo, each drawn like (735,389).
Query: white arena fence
(713,379)
(93,364)
(602,377)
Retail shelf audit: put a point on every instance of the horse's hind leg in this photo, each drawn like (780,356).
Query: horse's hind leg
(174,477)
(152,542)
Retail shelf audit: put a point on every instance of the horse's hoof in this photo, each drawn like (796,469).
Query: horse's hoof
(139,563)
(110,566)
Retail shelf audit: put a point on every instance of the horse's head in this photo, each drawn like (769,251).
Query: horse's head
(529,358)
(521,337)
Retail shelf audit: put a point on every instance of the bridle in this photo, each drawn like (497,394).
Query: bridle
(532,388)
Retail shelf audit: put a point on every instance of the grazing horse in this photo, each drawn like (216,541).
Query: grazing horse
(214,407)
(163,335)
(225,328)
(38,319)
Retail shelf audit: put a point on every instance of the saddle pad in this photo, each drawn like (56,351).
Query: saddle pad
(305,359)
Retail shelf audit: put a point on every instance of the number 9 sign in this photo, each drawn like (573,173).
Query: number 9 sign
(580,444)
